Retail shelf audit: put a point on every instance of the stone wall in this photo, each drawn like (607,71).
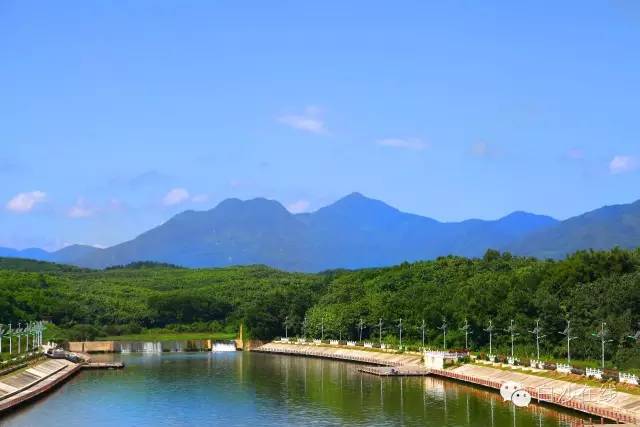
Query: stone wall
(92,346)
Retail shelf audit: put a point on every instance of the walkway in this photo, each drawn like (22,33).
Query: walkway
(342,353)
(25,384)
(603,401)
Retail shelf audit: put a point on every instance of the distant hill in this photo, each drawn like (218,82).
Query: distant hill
(602,228)
(353,232)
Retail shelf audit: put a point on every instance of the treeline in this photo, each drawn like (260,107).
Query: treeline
(588,287)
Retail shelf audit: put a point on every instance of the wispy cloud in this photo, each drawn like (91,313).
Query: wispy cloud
(481,149)
(299,206)
(404,143)
(309,121)
(622,164)
(80,210)
(175,197)
(200,198)
(575,154)
(25,202)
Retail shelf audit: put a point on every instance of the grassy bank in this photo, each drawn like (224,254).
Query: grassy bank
(171,336)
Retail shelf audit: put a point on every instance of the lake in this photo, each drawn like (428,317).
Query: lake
(241,388)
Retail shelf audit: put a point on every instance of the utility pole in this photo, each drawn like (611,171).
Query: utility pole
(567,333)
(512,330)
(537,331)
(444,332)
(490,330)
(466,330)
(602,334)
(400,326)
(380,330)
(286,327)
(304,328)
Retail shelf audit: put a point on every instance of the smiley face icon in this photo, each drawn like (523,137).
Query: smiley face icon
(521,398)
(507,389)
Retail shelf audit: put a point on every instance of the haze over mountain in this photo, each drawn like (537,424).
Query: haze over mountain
(353,232)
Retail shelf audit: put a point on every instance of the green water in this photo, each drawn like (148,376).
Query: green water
(230,389)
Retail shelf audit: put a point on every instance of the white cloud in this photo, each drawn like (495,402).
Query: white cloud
(404,143)
(299,206)
(175,197)
(80,210)
(200,198)
(25,202)
(310,121)
(621,164)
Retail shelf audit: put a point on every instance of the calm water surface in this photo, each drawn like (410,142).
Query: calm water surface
(234,389)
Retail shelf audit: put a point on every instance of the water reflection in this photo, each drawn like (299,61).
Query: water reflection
(263,389)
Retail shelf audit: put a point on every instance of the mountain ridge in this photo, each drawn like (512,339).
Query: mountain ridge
(353,232)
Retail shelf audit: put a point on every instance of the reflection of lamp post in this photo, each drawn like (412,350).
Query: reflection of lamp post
(537,330)
(567,333)
(602,335)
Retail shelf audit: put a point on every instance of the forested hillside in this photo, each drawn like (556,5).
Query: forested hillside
(587,287)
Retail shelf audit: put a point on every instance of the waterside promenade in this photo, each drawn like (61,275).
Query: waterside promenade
(601,402)
(27,384)
(343,353)
(605,401)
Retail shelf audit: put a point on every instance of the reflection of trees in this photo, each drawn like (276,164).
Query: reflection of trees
(337,388)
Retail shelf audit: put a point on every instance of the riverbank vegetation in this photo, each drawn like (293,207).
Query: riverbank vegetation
(587,287)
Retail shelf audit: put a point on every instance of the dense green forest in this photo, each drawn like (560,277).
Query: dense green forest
(587,287)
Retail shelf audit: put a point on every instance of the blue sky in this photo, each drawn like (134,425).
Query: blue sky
(115,116)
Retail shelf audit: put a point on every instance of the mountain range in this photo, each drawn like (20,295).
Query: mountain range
(354,232)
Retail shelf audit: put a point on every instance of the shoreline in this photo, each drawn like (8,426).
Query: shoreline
(621,407)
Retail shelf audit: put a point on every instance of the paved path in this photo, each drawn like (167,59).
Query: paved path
(600,401)
(342,353)
(24,385)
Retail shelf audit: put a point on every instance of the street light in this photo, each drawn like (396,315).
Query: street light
(444,332)
(400,327)
(361,325)
(490,330)
(466,328)
(286,327)
(567,333)
(512,330)
(380,330)
(602,334)
(537,331)
(422,327)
